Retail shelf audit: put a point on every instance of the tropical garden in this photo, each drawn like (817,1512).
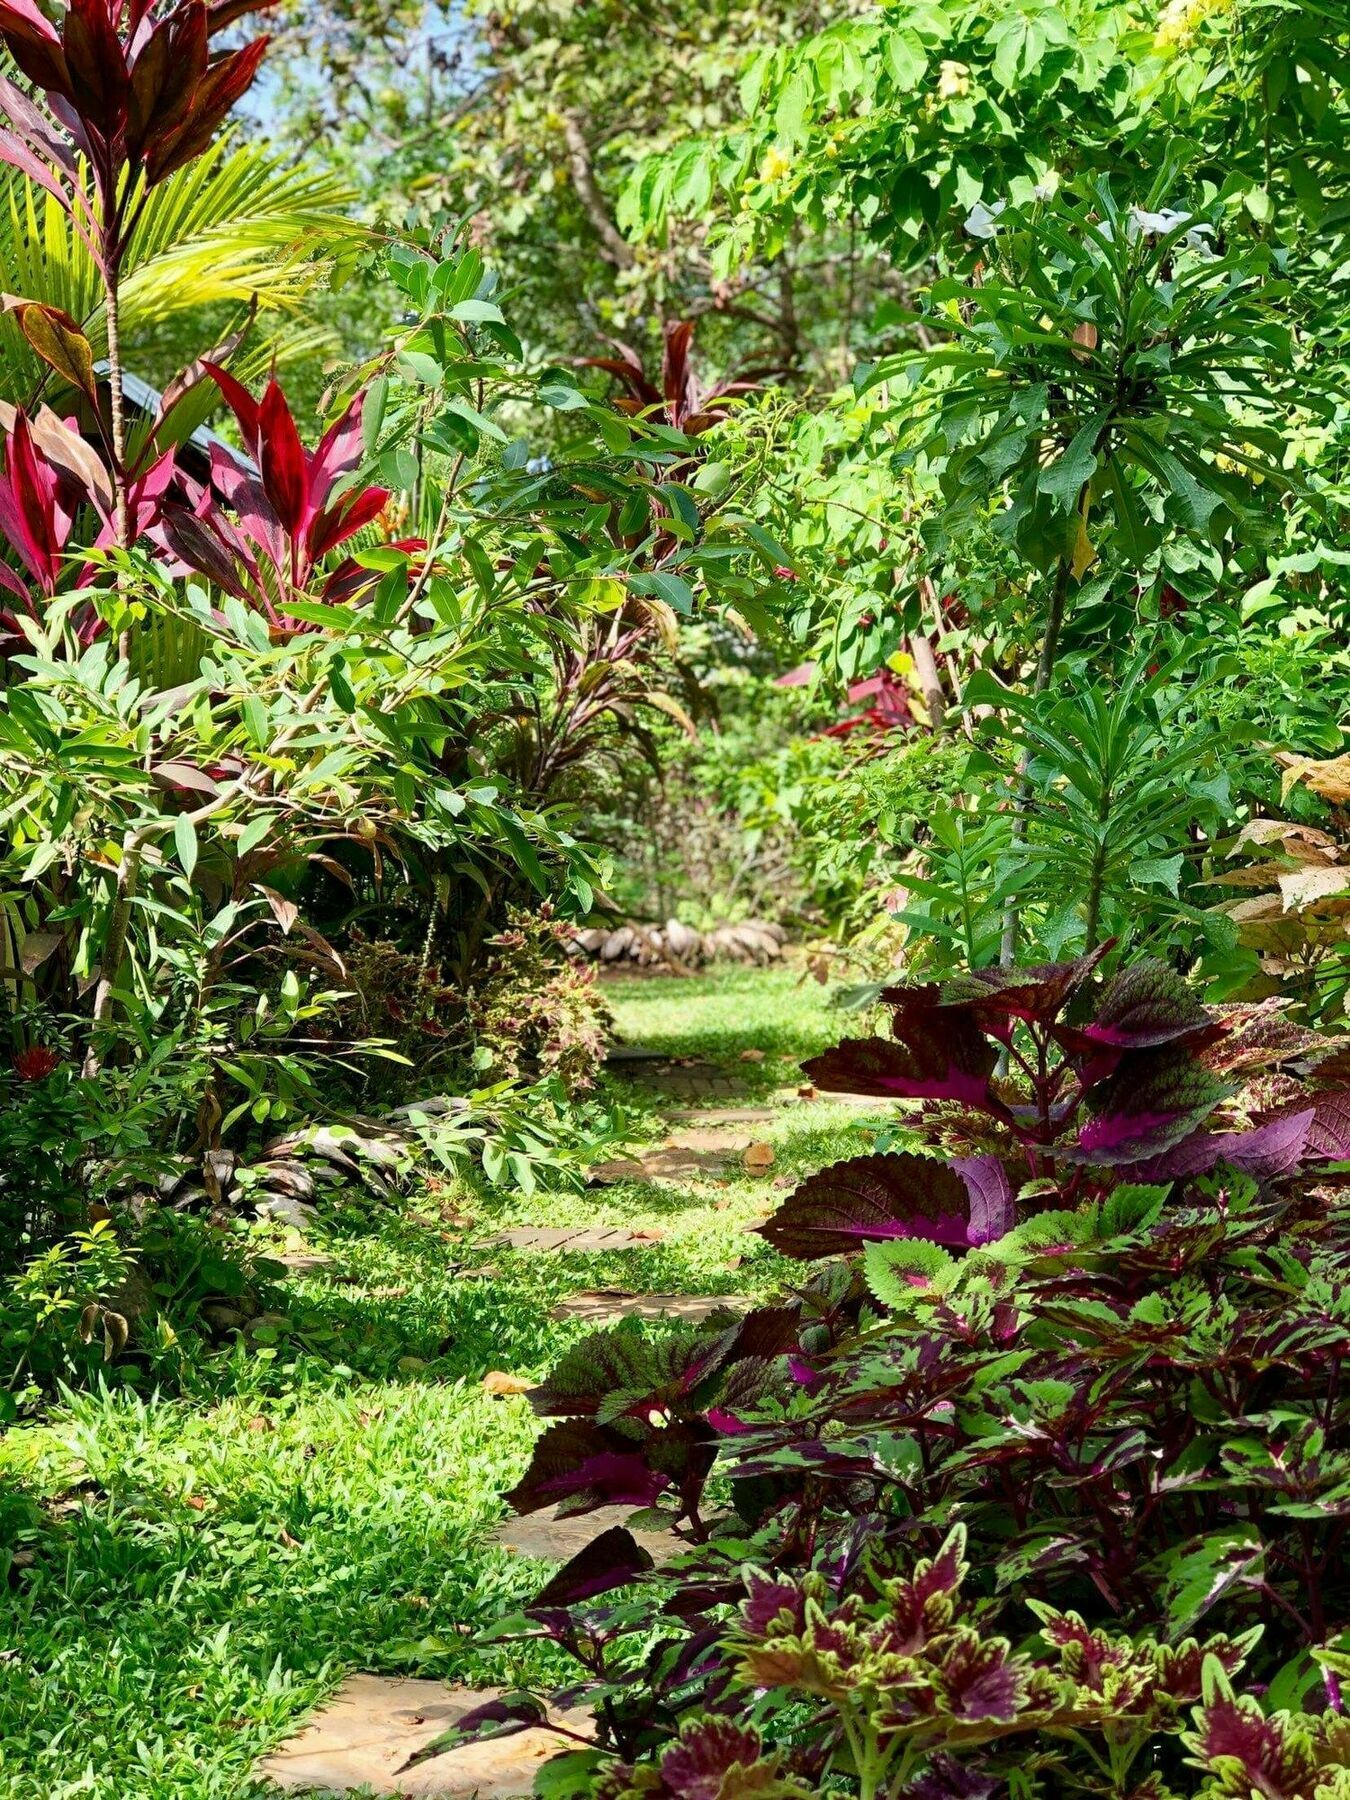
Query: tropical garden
(675,899)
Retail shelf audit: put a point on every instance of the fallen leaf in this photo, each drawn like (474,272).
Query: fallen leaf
(258,1423)
(752,1056)
(1329,780)
(758,1159)
(195,1501)
(498,1382)
(806,1093)
(285,1539)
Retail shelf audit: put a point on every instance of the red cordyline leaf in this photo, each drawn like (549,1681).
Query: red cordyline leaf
(288,517)
(38,504)
(131,91)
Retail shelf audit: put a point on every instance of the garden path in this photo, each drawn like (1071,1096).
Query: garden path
(206,1568)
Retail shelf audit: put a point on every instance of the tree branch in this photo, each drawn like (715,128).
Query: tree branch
(613,246)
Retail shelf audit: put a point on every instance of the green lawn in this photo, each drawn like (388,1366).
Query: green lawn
(193,1573)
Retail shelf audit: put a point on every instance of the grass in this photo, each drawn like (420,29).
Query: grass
(192,1573)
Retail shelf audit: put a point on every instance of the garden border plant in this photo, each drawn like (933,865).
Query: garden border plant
(1083,1333)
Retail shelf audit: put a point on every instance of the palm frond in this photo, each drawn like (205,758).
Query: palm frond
(240,222)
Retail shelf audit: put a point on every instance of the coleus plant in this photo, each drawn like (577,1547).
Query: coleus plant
(1060,1091)
(1106,1336)
(896,1680)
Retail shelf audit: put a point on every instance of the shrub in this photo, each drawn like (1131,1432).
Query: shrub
(1101,1343)
(538,1011)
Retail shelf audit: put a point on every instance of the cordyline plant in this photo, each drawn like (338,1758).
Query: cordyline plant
(289,509)
(1105,1337)
(133,92)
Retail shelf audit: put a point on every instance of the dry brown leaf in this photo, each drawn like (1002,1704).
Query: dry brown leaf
(1329,780)
(1304,888)
(1305,842)
(498,1382)
(752,1056)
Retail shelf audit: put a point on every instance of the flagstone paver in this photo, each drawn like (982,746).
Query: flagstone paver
(606,1306)
(374,1723)
(548,1538)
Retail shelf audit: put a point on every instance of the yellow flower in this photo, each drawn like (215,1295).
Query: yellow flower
(776,165)
(953,80)
(1180,20)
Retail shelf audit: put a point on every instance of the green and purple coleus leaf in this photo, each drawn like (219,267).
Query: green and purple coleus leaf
(960,1204)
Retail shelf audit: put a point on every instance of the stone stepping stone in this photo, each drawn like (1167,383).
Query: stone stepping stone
(618,1168)
(677,1162)
(304,1262)
(627,1055)
(374,1723)
(547,1538)
(606,1306)
(589,1240)
(692,1082)
(717,1118)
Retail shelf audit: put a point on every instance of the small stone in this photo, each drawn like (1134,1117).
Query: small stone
(546,1537)
(222,1317)
(606,1306)
(758,1159)
(285,1209)
(624,1168)
(286,1178)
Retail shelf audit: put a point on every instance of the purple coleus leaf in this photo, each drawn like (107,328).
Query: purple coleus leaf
(1154,1099)
(938,1058)
(616,1372)
(1273,1148)
(582,1466)
(1328,1130)
(993,1212)
(868,1198)
(609,1561)
(1145,1006)
(1260,1753)
(995,999)
(709,1751)
(980,1679)
(947,1779)
(500,1718)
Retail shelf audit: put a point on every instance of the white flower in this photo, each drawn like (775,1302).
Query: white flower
(982,220)
(1164,222)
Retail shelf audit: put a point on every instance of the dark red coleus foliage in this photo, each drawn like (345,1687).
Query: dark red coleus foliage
(1106,1335)
(259,532)
(1099,1086)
